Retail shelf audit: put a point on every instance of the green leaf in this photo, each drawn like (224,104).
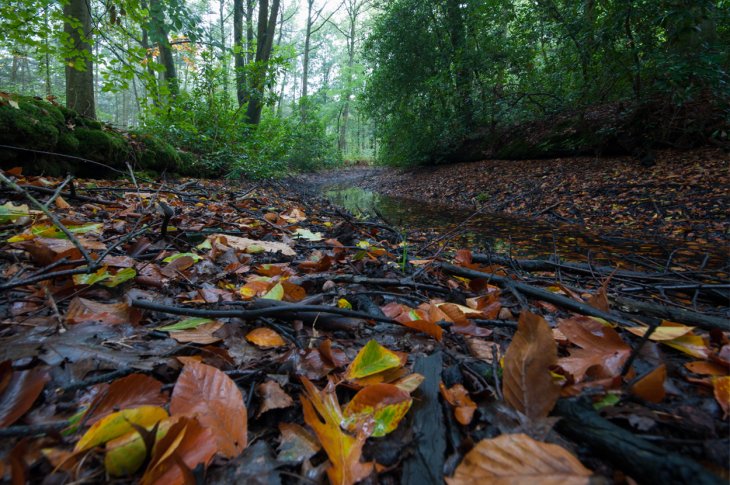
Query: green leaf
(275,293)
(120,277)
(172,258)
(308,235)
(186,324)
(372,359)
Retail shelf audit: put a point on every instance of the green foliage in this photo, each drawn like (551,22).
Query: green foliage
(447,71)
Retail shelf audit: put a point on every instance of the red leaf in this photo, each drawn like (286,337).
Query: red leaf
(128,392)
(22,390)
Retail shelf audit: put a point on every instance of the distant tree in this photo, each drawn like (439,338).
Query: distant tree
(79,63)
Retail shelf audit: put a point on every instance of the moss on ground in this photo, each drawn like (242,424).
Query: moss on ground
(38,125)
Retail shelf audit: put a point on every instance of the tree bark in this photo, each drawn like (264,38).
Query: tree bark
(264,46)
(79,65)
(160,32)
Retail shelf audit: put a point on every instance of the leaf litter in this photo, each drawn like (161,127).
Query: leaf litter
(265,321)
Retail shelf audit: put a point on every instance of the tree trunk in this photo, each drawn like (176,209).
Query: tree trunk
(264,45)
(305,54)
(221,21)
(160,35)
(79,65)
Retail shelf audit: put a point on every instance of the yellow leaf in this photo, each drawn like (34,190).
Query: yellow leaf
(372,359)
(665,331)
(118,424)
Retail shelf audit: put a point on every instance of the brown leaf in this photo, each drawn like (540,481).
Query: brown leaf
(210,395)
(527,384)
(518,459)
(81,310)
(272,397)
(600,299)
(128,392)
(602,353)
(21,391)
(199,335)
(651,386)
(186,445)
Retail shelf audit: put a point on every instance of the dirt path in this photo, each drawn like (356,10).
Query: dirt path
(682,197)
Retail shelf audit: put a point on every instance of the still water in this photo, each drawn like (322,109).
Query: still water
(522,237)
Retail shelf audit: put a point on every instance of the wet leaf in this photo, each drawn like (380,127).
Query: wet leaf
(19,391)
(201,335)
(459,399)
(665,331)
(211,396)
(308,235)
(376,410)
(193,256)
(297,444)
(517,458)
(186,324)
(721,389)
(322,413)
(651,387)
(706,368)
(527,384)
(132,391)
(373,358)
(252,246)
(265,337)
(690,344)
(81,310)
(126,454)
(272,397)
(602,352)
(118,424)
(275,293)
(11,213)
(186,445)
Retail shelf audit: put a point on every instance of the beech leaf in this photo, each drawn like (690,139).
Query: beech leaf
(377,410)
(212,397)
(372,359)
(20,391)
(118,424)
(518,459)
(527,385)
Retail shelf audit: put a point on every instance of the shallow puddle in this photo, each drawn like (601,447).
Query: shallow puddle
(525,237)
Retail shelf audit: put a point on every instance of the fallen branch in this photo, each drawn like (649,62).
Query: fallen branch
(674,314)
(640,459)
(535,292)
(365,280)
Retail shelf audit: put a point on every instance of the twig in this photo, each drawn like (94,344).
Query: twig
(51,216)
(33,429)
(55,194)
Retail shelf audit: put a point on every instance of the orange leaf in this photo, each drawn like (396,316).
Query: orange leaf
(517,458)
(721,386)
(265,337)
(21,390)
(527,384)
(128,392)
(376,410)
(415,319)
(202,334)
(343,450)
(600,299)
(459,398)
(210,395)
(706,368)
(651,386)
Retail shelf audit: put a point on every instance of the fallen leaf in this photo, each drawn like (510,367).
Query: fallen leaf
(322,413)
(19,392)
(602,352)
(265,337)
(252,246)
(118,424)
(81,310)
(459,399)
(272,397)
(132,391)
(518,459)
(202,335)
(690,344)
(376,410)
(126,454)
(665,331)
(651,386)
(706,368)
(721,389)
(186,445)
(373,358)
(186,324)
(211,396)
(297,444)
(527,384)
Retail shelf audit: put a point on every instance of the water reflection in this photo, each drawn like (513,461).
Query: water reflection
(523,237)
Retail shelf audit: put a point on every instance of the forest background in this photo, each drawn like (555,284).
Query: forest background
(260,88)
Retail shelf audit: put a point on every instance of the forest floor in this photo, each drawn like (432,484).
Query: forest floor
(683,197)
(205,330)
